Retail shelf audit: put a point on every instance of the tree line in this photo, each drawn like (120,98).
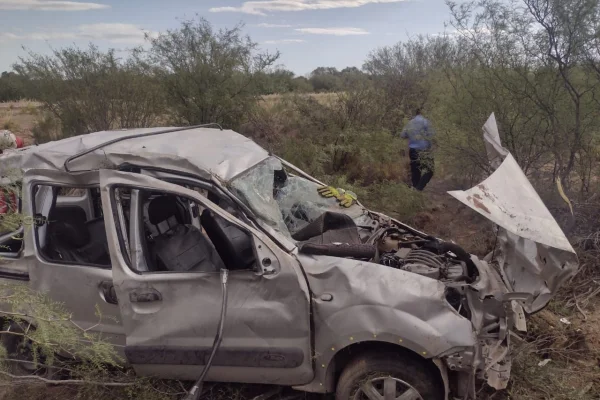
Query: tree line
(535,63)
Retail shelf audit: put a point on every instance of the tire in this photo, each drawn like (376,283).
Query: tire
(19,348)
(410,377)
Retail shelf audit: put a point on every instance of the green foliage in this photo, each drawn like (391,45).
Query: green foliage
(58,347)
(536,64)
(208,75)
(329,79)
(276,81)
(13,87)
(51,332)
(91,90)
(46,129)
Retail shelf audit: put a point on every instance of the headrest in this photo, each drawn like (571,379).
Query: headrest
(73,233)
(162,208)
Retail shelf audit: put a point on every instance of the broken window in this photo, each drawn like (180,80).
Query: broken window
(70,228)
(284,201)
(162,232)
(11,221)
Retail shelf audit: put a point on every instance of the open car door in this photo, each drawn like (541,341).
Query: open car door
(170,305)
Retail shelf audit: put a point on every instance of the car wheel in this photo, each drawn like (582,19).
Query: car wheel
(388,377)
(19,351)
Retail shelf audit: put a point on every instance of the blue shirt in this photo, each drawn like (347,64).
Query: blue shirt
(419,133)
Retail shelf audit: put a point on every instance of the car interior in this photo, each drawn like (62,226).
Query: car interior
(178,235)
(75,229)
(175,243)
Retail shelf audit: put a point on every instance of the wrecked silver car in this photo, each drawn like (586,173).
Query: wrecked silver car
(209,257)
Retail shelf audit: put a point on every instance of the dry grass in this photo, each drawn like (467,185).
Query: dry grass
(20,118)
(23,103)
(272,100)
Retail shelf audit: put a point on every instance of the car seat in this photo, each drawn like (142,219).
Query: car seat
(74,240)
(233,244)
(178,246)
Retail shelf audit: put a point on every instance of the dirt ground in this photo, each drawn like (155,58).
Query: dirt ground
(20,118)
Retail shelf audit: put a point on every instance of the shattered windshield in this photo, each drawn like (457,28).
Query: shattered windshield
(283,201)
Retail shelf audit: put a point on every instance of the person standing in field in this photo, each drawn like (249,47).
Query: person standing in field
(420,135)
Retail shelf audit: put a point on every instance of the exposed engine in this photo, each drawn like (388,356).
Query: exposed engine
(388,243)
(399,248)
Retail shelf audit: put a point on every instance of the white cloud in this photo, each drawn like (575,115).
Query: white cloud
(273,26)
(283,41)
(115,33)
(334,31)
(50,5)
(265,6)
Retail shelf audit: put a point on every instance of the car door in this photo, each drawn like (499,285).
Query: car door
(84,288)
(171,318)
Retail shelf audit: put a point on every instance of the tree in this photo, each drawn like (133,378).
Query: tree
(12,87)
(403,75)
(209,75)
(540,52)
(278,80)
(325,79)
(90,90)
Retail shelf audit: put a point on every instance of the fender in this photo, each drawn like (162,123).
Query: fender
(356,302)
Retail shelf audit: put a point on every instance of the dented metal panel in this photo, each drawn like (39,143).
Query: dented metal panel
(201,151)
(267,330)
(356,301)
(78,287)
(533,253)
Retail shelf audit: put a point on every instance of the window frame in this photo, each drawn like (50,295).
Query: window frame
(19,231)
(124,246)
(180,178)
(36,239)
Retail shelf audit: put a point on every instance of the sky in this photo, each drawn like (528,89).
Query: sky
(308,33)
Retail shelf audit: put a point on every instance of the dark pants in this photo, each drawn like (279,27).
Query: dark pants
(421,168)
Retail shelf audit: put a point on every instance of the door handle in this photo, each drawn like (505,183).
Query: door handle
(108,292)
(145,296)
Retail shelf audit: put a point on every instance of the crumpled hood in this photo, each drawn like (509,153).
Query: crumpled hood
(533,253)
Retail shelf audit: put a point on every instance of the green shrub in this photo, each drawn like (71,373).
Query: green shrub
(46,129)
(89,90)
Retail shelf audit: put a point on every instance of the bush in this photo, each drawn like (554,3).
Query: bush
(208,75)
(90,90)
(10,125)
(46,129)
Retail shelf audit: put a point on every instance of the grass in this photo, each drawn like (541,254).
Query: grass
(23,103)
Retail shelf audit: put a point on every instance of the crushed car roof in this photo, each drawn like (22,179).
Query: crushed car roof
(199,151)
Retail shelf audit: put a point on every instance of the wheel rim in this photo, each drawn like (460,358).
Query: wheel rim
(387,388)
(25,354)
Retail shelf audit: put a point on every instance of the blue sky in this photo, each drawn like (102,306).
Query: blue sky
(309,33)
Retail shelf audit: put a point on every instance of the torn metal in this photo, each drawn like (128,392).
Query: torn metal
(533,254)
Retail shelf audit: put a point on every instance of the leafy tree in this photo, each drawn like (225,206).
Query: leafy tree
(325,79)
(208,75)
(90,90)
(278,80)
(12,87)
(540,56)
(404,76)
(301,85)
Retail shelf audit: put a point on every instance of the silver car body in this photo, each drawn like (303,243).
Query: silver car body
(293,322)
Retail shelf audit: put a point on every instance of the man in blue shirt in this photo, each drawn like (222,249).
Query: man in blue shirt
(420,135)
